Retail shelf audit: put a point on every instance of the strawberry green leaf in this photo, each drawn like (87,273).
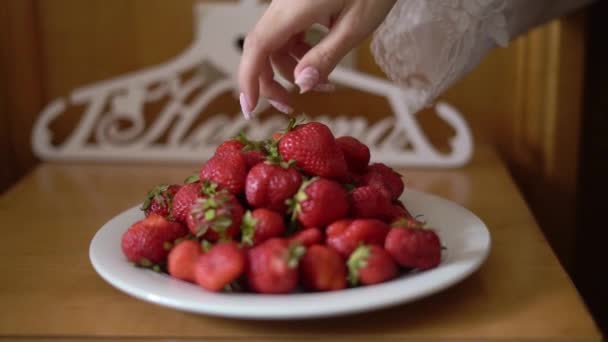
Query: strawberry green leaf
(250,145)
(295,252)
(155,193)
(201,229)
(209,214)
(145,262)
(221,223)
(167,245)
(209,188)
(191,179)
(248,229)
(206,245)
(233,287)
(357,260)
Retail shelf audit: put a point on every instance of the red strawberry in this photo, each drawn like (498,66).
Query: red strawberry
(315,150)
(355,153)
(370,264)
(273,266)
(183,200)
(398,211)
(271,185)
(159,200)
(370,202)
(182,259)
(229,146)
(221,265)
(147,242)
(380,175)
(322,269)
(414,247)
(345,235)
(215,216)
(252,157)
(320,202)
(307,237)
(261,225)
(228,170)
(407,222)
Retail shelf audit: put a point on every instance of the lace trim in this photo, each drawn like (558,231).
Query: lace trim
(426,45)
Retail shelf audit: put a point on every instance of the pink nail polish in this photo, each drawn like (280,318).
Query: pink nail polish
(307,79)
(280,106)
(324,87)
(245,106)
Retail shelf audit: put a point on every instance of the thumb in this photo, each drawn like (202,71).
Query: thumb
(316,65)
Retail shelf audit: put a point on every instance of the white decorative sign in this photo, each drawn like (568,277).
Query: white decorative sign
(122,99)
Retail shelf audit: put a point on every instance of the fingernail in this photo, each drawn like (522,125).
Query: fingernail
(307,79)
(281,107)
(245,106)
(324,87)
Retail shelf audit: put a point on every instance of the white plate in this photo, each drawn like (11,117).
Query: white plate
(464,234)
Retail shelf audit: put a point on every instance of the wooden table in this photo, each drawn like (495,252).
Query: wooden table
(49,289)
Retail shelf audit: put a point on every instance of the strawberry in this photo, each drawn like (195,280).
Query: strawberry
(182,259)
(147,242)
(314,149)
(382,176)
(413,247)
(370,264)
(345,235)
(308,237)
(398,212)
(271,185)
(273,266)
(322,269)
(220,266)
(371,202)
(252,156)
(228,170)
(319,202)
(407,222)
(183,200)
(215,216)
(159,200)
(261,225)
(355,153)
(229,146)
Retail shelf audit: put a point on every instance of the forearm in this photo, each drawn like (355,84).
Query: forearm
(427,45)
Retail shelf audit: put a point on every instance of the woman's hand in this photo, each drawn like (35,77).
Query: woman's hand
(277,39)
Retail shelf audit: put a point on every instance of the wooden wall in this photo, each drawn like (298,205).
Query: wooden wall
(524,99)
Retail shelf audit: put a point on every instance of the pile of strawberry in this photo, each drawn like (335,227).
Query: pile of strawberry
(299,210)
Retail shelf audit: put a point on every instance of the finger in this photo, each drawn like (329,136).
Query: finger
(320,60)
(278,24)
(277,96)
(298,50)
(285,65)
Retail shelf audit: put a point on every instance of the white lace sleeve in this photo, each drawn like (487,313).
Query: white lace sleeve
(426,45)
